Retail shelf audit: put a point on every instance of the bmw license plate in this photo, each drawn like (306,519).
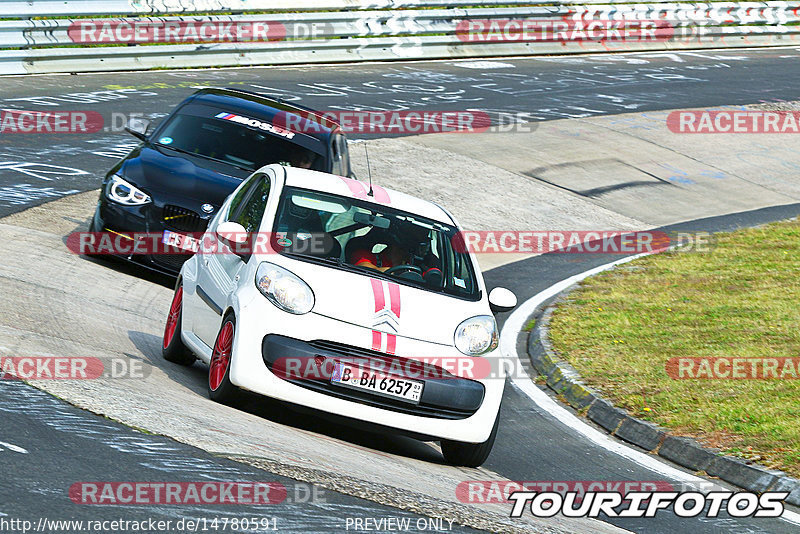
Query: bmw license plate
(181,241)
(376,382)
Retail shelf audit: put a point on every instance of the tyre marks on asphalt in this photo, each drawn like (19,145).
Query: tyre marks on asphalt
(526,90)
(64,445)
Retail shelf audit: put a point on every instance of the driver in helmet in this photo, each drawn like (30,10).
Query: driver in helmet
(400,248)
(391,256)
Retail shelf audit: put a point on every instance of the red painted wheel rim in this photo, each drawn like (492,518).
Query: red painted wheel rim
(221,357)
(173,317)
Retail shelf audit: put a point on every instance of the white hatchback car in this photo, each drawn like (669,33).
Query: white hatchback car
(327,293)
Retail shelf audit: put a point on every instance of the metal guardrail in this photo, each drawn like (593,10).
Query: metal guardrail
(76,8)
(65,44)
(55,8)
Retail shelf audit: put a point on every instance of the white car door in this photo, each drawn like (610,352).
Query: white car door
(219,271)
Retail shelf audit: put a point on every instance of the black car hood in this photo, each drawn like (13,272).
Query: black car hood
(163,174)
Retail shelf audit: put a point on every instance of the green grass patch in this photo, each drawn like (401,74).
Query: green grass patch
(741,300)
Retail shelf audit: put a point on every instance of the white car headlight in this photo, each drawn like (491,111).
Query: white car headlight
(476,335)
(124,192)
(284,289)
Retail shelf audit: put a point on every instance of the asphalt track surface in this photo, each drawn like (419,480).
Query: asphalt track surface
(558,456)
(65,444)
(530,445)
(537,89)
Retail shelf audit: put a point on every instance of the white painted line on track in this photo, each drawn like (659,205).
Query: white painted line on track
(11,447)
(508,347)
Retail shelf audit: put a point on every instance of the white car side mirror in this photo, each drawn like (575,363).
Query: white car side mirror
(502,300)
(232,232)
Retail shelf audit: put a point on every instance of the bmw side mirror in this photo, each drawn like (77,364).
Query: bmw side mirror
(235,236)
(137,127)
(502,300)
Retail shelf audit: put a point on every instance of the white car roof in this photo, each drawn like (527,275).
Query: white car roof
(351,188)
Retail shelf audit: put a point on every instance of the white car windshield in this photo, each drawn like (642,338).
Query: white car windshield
(376,240)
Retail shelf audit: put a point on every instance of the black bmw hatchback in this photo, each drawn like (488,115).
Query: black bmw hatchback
(181,173)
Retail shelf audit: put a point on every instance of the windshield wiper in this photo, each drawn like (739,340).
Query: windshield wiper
(354,268)
(331,261)
(182,151)
(341,264)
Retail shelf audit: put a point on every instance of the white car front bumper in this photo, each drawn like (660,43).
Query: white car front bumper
(257,317)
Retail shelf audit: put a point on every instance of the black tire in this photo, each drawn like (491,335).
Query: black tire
(220,387)
(92,230)
(469,454)
(172,347)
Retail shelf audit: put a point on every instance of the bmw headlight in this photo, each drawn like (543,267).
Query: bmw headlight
(476,335)
(124,192)
(284,289)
